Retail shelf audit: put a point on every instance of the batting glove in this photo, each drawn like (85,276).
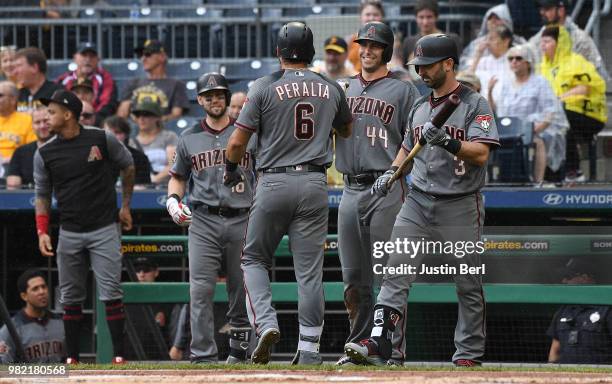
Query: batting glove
(232,175)
(434,135)
(380,185)
(181,214)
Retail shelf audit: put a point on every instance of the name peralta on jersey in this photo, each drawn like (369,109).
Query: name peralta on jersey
(43,339)
(436,170)
(380,110)
(293,112)
(200,159)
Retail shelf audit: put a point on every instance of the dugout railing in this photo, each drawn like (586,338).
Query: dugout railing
(422,293)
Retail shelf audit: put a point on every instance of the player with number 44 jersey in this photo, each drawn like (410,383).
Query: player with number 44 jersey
(380,103)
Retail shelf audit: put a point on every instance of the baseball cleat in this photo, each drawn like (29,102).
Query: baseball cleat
(365,352)
(235,360)
(71,361)
(467,363)
(307,358)
(395,363)
(346,361)
(261,354)
(118,360)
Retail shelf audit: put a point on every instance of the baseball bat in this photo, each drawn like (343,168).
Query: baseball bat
(438,120)
(6,317)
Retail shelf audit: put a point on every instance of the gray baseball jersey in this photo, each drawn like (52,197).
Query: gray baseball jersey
(291,111)
(200,159)
(380,111)
(437,171)
(43,339)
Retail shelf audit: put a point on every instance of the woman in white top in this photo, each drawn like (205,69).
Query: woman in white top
(529,96)
(495,65)
(156,142)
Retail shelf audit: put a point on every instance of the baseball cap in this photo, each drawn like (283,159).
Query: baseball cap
(335,43)
(84,84)
(148,106)
(67,99)
(553,3)
(144,261)
(149,47)
(87,47)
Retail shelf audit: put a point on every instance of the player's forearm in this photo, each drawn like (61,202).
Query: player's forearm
(399,159)
(474,153)
(236,146)
(128,175)
(176,186)
(42,205)
(553,354)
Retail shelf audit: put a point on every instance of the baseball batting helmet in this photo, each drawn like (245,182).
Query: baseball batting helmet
(380,33)
(213,80)
(295,42)
(433,48)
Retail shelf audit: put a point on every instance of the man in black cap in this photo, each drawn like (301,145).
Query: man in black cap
(555,12)
(88,69)
(169,93)
(76,166)
(581,333)
(336,53)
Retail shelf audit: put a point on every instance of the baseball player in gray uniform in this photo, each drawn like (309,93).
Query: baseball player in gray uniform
(41,332)
(444,203)
(293,112)
(218,222)
(380,103)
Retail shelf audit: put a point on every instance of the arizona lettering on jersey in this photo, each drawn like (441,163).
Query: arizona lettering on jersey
(302,89)
(215,157)
(451,130)
(44,350)
(372,106)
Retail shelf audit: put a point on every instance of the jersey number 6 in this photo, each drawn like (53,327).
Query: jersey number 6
(304,124)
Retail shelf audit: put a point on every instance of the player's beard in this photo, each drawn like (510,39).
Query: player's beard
(437,80)
(210,112)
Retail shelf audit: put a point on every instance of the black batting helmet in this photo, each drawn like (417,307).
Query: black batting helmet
(380,33)
(213,80)
(295,42)
(430,49)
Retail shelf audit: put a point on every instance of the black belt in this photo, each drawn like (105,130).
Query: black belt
(221,211)
(363,178)
(438,196)
(296,168)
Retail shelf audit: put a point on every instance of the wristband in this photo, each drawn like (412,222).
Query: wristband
(452,145)
(230,167)
(42,224)
(175,196)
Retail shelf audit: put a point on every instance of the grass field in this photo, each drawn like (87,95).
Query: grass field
(435,373)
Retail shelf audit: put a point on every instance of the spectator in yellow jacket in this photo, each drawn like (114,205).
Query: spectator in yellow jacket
(581,89)
(15,127)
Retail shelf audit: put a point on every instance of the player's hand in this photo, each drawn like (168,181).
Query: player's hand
(231,178)
(44,245)
(434,135)
(125,217)
(380,185)
(181,214)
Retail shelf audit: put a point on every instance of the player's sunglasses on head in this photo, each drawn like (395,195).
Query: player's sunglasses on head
(517,58)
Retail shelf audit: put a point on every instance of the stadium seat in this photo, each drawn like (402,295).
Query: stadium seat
(124,69)
(179,125)
(513,158)
(248,69)
(298,12)
(186,69)
(56,67)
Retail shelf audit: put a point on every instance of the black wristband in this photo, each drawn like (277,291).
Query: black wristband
(174,195)
(453,146)
(230,167)
(394,168)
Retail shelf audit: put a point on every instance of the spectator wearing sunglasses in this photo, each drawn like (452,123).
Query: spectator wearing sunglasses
(169,93)
(528,96)
(88,115)
(157,143)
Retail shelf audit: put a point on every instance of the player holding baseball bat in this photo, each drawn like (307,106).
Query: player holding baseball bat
(444,203)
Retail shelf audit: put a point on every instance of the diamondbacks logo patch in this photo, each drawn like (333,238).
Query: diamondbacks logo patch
(371,32)
(94,154)
(212,82)
(484,121)
(418,52)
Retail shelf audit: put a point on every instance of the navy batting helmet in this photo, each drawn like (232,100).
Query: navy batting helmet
(295,42)
(430,49)
(213,80)
(380,33)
